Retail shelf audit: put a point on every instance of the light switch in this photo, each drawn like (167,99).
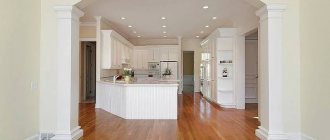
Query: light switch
(34,85)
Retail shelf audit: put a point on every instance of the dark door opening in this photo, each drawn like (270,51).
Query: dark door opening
(188,72)
(88,72)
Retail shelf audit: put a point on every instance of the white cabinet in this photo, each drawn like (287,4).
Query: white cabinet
(141,59)
(115,50)
(169,53)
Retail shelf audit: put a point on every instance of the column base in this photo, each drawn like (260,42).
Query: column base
(75,134)
(264,134)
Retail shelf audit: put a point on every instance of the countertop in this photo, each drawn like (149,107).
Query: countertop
(144,82)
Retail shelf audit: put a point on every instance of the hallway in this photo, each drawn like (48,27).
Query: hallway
(198,119)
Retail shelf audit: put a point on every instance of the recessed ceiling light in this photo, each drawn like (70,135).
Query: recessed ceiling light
(122,18)
(202,32)
(130,26)
(164,36)
(163,18)
(205,7)
(134,32)
(164,32)
(214,18)
(164,26)
(207,26)
(197,36)
(138,36)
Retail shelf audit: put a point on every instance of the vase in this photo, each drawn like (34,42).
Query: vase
(127,79)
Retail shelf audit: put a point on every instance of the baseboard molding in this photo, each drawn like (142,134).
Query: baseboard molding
(75,134)
(306,137)
(263,134)
(34,137)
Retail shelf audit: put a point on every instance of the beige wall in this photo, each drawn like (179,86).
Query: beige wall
(19,61)
(87,32)
(194,45)
(315,68)
(188,63)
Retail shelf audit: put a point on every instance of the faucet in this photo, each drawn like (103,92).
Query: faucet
(115,78)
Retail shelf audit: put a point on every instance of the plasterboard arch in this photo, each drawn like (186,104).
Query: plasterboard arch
(270,29)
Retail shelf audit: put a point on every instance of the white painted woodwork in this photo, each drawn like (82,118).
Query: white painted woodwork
(138,101)
(224,44)
(115,50)
(154,53)
(67,73)
(270,73)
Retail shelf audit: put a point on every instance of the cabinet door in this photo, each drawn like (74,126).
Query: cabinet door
(119,54)
(156,55)
(106,50)
(163,54)
(173,54)
(150,55)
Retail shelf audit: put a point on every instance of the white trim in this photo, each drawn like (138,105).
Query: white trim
(264,134)
(75,134)
(33,137)
(306,137)
(87,39)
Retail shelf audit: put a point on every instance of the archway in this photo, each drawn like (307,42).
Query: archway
(270,72)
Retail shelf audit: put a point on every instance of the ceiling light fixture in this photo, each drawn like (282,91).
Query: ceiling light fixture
(134,32)
(164,26)
(122,18)
(205,7)
(130,26)
(163,18)
(214,18)
(138,36)
(197,36)
(164,32)
(164,36)
(207,26)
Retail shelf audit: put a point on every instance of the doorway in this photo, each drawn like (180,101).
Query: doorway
(251,69)
(88,72)
(188,72)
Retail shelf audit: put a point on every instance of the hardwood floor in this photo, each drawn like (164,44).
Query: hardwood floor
(197,120)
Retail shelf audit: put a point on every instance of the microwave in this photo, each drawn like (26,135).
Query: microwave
(154,66)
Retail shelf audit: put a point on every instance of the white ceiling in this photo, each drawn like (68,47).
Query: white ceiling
(184,18)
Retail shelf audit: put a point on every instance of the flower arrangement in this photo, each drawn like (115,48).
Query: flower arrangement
(127,72)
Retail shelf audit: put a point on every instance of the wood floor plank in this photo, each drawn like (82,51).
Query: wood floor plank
(198,119)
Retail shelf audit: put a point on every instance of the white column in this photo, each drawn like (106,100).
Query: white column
(270,73)
(98,47)
(67,73)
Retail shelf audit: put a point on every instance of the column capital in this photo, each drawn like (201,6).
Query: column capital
(68,12)
(272,10)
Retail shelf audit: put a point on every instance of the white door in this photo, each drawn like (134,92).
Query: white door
(251,71)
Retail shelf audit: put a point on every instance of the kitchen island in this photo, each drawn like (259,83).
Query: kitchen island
(138,100)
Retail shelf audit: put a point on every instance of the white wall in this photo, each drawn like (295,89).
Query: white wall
(19,61)
(194,45)
(315,68)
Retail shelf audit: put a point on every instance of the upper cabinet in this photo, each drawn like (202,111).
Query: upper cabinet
(169,53)
(115,50)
